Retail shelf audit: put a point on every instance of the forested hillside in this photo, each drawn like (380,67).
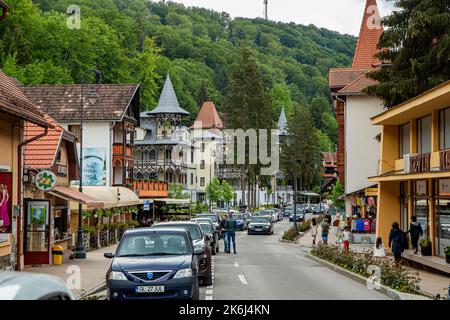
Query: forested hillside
(141,41)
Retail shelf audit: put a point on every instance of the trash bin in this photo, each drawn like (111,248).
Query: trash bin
(57,252)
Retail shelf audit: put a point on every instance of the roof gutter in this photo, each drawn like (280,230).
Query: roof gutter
(19,192)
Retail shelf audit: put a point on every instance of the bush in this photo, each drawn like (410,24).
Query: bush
(392,275)
(290,235)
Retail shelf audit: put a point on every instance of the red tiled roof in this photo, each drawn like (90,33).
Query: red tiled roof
(209,116)
(358,85)
(369,36)
(41,153)
(340,77)
(13,101)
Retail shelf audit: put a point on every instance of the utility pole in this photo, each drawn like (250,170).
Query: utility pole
(266,12)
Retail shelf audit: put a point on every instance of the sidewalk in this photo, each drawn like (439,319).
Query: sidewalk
(431,283)
(93,270)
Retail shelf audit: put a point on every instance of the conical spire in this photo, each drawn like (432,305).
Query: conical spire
(282,123)
(369,36)
(209,117)
(168,102)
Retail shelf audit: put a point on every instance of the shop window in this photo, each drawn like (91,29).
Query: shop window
(444,129)
(75,130)
(421,204)
(403,140)
(203,147)
(424,135)
(58,156)
(60,225)
(192,178)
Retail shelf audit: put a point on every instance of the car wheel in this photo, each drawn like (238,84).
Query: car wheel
(208,281)
(196,293)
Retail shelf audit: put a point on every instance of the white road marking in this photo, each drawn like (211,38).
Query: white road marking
(242,278)
(208,298)
(209,287)
(209,292)
(236,264)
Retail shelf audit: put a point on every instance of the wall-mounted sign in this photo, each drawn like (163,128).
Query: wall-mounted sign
(444,187)
(421,188)
(94,167)
(146,205)
(46,180)
(371,192)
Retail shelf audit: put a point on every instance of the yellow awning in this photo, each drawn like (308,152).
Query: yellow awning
(112,197)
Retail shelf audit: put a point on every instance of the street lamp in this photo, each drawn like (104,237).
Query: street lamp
(211,155)
(80,252)
(294,162)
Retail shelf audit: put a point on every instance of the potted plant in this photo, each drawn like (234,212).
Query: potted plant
(425,247)
(447,254)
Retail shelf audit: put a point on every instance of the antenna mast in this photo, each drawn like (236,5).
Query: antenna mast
(266,12)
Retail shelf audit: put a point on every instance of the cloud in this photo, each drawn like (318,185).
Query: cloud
(343,16)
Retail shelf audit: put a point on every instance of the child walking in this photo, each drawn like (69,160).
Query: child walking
(314,227)
(347,235)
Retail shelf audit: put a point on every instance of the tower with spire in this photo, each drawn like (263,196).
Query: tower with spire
(163,145)
(358,151)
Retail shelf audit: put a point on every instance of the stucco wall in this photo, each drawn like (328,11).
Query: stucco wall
(362,150)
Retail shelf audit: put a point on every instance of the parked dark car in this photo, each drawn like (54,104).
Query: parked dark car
(300,216)
(153,263)
(208,229)
(216,219)
(241,224)
(208,220)
(201,245)
(261,225)
(287,212)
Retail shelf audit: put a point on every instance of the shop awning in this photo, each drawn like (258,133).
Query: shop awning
(112,197)
(74,195)
(173,201)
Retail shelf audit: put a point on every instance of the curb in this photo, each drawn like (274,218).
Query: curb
(292,241)
(394,294)
(92,291)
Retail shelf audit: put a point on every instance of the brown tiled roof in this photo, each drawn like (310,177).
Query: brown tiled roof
(340,77)
(14,102)
(62,102)
(357,85)
(209,116)
(41,153)
(369,36)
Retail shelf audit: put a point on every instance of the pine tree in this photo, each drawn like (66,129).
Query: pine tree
(417,43)
(300,151)
(248,105)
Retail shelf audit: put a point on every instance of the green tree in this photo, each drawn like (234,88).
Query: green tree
(319,106)
(176,192)
(417,44)
(214,191)
(228,193)
(300,151)
(203,94)
(337,194)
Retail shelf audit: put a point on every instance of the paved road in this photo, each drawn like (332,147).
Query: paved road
(264,268)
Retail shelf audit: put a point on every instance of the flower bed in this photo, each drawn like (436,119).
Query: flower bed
(291,234)
(394,276)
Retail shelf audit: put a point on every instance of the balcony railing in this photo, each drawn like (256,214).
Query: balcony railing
(161,163)
(444,157)
(420,163)
(118,150)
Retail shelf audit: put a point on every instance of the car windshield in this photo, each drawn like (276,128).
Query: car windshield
(206,227)
(155,244)
(213,217)
(260,220)
(247,215)
(202,220)
(194,229)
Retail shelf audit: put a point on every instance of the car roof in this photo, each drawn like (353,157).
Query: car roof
(175,223)
(154,230)
(31,286)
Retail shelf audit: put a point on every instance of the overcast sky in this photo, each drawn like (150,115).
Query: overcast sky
(338,15)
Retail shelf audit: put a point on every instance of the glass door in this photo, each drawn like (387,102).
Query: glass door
(37,247)
(421,212)
(442,239)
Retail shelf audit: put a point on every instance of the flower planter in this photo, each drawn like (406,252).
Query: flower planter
(426,251)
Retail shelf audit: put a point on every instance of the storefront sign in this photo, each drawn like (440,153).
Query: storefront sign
(46,180)
(421,188)
(371,192)
(146,205)
(444,187)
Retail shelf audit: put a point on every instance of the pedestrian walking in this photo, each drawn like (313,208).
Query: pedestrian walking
(314,228)
(416,231)
(231,233)
(346,236)
(397,242)
(325,231)
(378,249)
(223,229)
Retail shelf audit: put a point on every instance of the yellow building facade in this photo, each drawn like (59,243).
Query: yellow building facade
(414,167)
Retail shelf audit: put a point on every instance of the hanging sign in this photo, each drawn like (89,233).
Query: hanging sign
(46,180)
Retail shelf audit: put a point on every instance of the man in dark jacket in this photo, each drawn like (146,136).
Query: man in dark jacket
(416,231)
(231,232)
(397,241)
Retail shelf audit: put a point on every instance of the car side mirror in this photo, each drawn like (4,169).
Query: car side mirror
(108,255)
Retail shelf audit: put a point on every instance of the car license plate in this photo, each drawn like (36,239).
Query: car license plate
(150,289)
